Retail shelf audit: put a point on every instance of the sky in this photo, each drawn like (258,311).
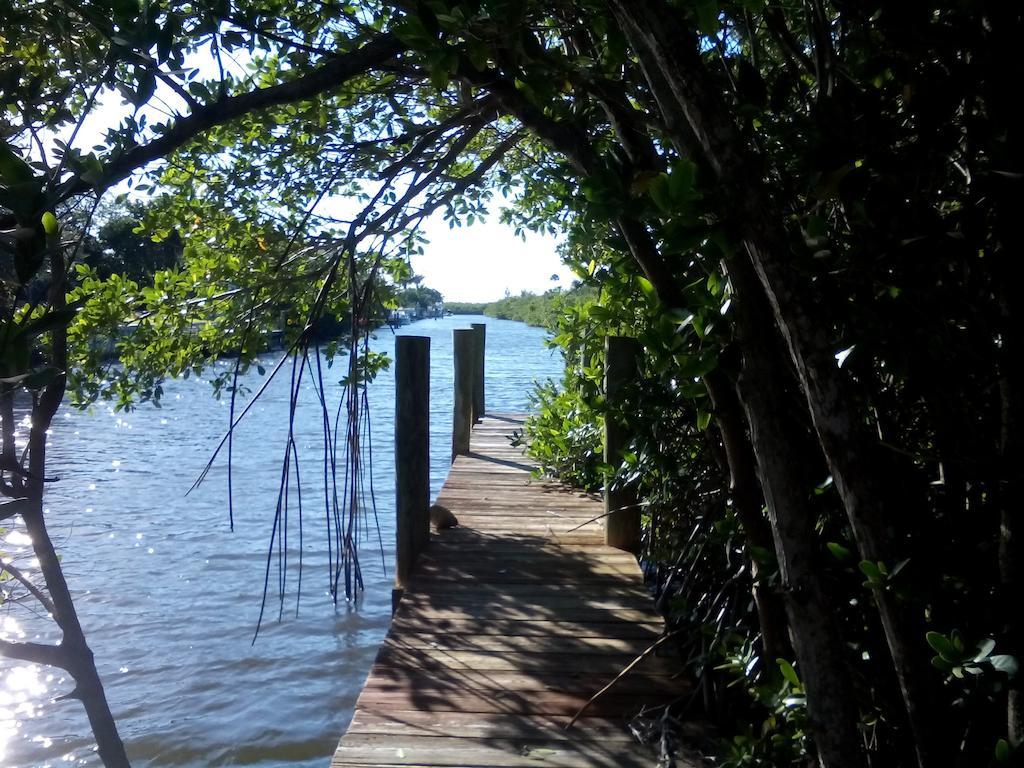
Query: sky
(483,261)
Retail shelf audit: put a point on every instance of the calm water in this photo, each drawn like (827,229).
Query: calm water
(169,596)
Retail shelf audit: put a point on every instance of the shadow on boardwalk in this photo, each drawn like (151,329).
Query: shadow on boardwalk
(512,621)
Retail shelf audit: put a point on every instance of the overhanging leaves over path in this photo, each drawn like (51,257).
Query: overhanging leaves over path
(337,71)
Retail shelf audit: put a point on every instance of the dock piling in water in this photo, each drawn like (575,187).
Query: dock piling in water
(479,372)
(412,454)
(463,348)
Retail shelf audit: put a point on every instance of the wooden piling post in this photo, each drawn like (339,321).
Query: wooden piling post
(621,505)
(412,455)
(480,329)
(463,344)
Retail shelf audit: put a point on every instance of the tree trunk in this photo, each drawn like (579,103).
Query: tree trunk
(1011,492)
(784,455)
(819,646)
(78,657)
(682,87)
(1004,68)
(749,503)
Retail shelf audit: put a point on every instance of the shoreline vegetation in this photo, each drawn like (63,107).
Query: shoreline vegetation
(541,310)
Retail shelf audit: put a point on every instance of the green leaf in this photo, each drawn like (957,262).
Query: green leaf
(707,17)
(714,283)
(49,223)
(411,31)
(788,672)
(1003,751)
(145,90)
(958,640)
(942,646)
(13,169)
(683,179)
(1003,662)
(703,419)
(646,286)
(839,552)
(874,574)
(659,192)
(817,227)
(984,649)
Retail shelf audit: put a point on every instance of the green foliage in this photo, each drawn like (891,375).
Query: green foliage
(465,307)
(955,658)
(782,738)
(564,436)
(217,303)
(419,296)
(122,246)
(543,311)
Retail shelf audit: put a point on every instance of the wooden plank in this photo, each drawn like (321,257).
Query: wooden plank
(430,658)
(481,726)
(622,562)
(514,613)
(530,571)
(577,681)
(508,702)
(650,630)
(372,749)
(619,590)
(551,645)
(558,604)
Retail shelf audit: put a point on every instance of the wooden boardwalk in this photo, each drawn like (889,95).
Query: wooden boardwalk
(511,622)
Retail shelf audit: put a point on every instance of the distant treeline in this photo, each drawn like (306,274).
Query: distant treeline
(542,310)
(465,307)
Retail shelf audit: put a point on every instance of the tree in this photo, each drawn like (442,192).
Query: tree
(782,182)
(419,296)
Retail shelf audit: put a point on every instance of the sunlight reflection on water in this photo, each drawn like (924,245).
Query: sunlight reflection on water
(169,597)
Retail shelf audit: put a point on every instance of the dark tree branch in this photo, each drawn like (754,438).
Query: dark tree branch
(323,79)
(780,31)
(568,139)
(34,653)
(26,582)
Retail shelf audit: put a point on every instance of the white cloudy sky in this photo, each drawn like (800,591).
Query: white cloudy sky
(481,262)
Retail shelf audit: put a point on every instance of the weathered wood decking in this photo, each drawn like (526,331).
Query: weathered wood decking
(511,622)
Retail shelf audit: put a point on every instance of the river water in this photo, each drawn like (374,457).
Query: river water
(169,597)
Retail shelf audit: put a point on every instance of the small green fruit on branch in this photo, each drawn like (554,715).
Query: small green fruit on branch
(49,223)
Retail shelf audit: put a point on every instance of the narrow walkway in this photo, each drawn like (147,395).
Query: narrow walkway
(512,621)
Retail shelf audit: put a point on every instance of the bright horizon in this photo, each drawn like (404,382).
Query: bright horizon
(480,263)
